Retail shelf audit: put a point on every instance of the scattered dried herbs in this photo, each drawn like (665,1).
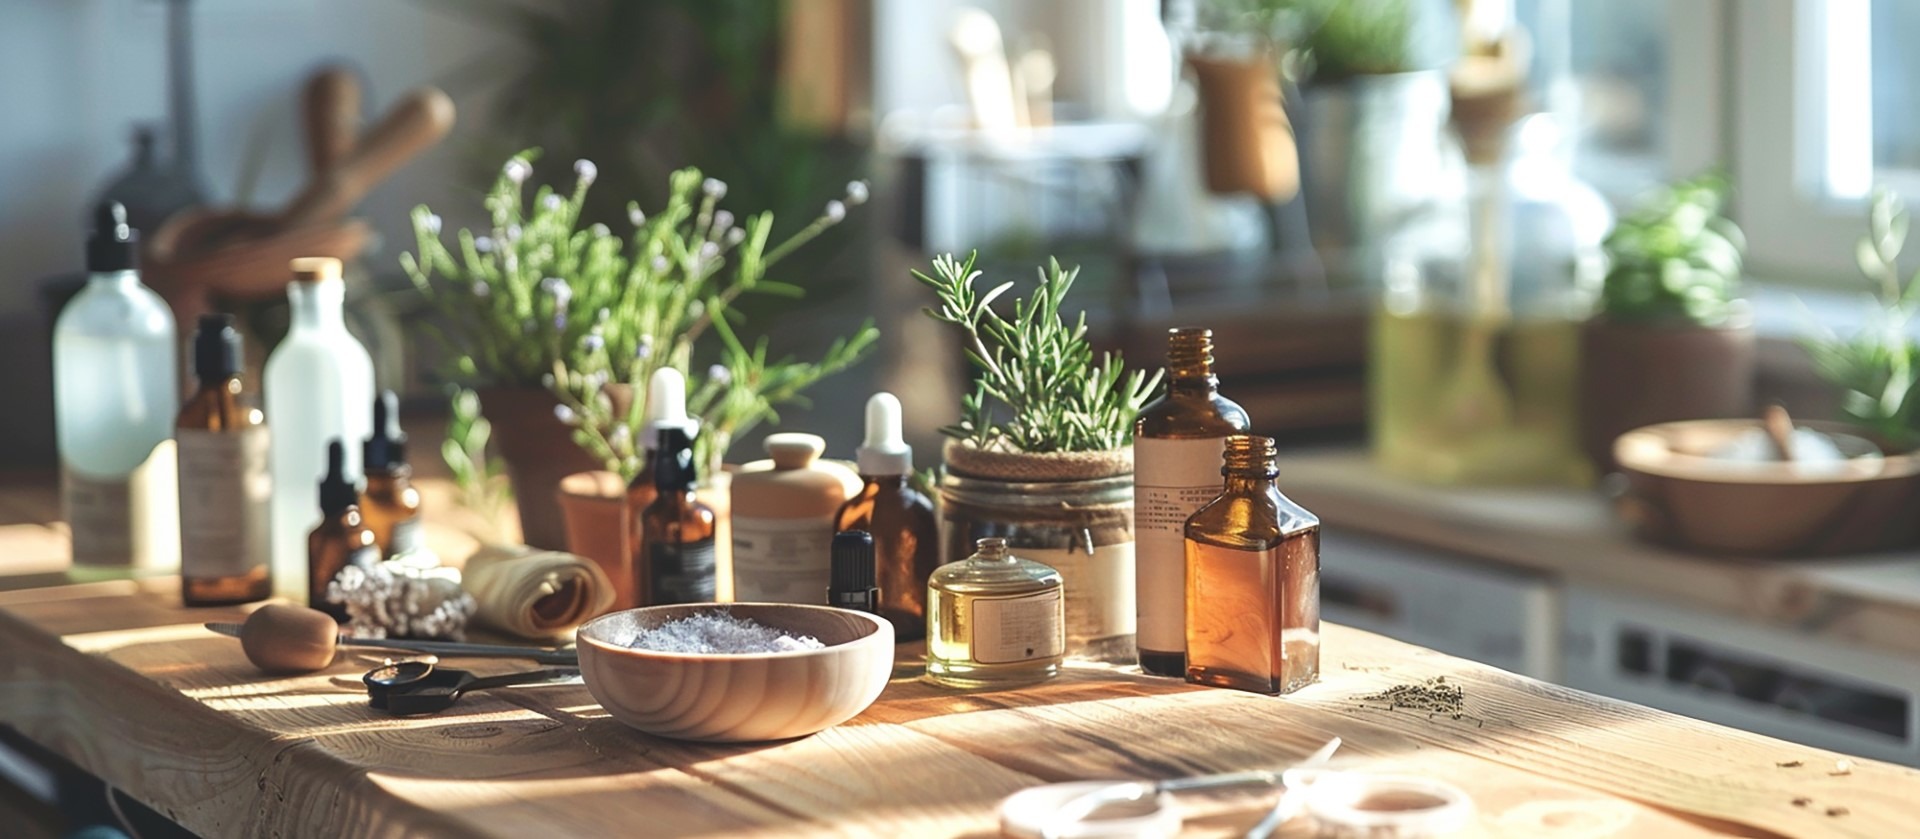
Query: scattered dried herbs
(1436,696)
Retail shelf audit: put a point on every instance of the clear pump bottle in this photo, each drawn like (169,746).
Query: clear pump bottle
(115,392)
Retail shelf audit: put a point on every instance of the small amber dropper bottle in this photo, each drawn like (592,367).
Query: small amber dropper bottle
(390,505)
(675,562)
(1177,441)
(906,539)
(1253,580)
(226,491)
(342,539)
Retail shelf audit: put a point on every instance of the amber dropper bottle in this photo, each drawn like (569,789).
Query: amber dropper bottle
(906,539)
(1177,441)
(226,489)
(1253,580)
(342,539)
(675,562)
(390,505)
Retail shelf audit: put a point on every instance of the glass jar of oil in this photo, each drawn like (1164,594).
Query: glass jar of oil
(994,619)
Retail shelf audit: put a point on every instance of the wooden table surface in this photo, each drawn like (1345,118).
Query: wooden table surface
(122,680)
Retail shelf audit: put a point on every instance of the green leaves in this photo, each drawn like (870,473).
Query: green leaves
(1878,367)
(1675,258)
(1038,388)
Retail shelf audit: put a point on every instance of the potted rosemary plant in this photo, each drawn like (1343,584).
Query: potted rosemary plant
(1672,339)
(1041,454)
(555,322)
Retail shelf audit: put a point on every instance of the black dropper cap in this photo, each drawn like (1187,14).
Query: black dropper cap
(114,245)
(673,467)
(387,447)
(851,582)
(216,348)
(336,492)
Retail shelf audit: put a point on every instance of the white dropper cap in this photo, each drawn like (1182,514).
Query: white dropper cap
(666,407)
(884,452)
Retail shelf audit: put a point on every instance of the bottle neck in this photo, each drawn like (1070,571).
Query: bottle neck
(1193,383)
(899,481)
(1249,482)
(117,280)
(228,383)
(317,305)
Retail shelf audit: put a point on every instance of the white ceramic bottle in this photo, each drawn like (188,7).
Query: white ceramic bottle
(318,383)
(115,391)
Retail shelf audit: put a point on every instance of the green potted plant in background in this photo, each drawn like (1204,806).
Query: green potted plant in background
(1041,453)
(1877,367)
(1672,338)
(554,321)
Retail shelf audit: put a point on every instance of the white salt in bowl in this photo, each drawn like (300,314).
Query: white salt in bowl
(744,697)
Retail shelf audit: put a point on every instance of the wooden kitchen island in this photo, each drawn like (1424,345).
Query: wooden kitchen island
(123,681)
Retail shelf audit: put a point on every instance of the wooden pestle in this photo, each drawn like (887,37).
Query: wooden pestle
(1779,426)
(416,122)
(280,638)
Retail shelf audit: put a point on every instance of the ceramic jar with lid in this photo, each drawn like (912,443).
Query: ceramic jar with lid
(783,511)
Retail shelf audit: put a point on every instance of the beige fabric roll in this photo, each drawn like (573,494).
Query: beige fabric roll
(536,594)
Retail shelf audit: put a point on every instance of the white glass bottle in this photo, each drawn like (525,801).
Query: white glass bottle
(115,391)
(318,383)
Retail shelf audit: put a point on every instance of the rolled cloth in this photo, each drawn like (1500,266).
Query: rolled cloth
(533,593)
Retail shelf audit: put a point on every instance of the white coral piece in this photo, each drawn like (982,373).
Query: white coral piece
(398,600)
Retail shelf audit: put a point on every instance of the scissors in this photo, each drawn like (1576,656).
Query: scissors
(409,688)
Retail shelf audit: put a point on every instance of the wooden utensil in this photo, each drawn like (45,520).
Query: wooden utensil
(281,638)
(1779,427)
(416,122)
(330,106)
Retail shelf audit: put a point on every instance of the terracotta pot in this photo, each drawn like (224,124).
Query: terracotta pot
(1247,141)
(599,527)
(1634,375)
(539,451)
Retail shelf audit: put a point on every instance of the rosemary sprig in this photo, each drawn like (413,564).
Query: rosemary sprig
(1038,387)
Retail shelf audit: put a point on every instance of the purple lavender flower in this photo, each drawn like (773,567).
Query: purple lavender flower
(592,342)
(835,212)
(856,193)
(585,171)
(517,170)
(481,289)
(563,414)
(551,202)
(736,236)
(714,188)
(644,349)
(483,244)
(638,218)
(432,223)
(720,375)
(721,221)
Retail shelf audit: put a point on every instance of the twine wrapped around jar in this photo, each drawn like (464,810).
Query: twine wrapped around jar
(963,458)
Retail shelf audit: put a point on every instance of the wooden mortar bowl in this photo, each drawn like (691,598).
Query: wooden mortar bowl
(742,697)
(1678,495)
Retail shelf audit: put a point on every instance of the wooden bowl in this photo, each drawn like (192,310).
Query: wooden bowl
(738,698)
(1678,495)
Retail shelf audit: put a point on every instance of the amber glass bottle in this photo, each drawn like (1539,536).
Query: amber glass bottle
(342,539)
(1177,441)
(390,505)
(674,559)
(906,537)
(226,488)
(1253,581)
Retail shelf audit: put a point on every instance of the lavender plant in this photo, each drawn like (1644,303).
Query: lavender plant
(590,315)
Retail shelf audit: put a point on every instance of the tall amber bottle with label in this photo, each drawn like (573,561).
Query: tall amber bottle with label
(1177,441)
(1253,580)
(226,490)
(390,505)
(674,561)
(906,535)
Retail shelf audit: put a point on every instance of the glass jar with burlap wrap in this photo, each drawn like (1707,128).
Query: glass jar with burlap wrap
(1070,510)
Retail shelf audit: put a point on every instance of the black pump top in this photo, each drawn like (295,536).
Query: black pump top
(387,447)
(114,245)
(336,492)
(673,467)
(216,348)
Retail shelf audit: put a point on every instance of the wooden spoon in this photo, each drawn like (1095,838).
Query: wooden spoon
(330,106)
(280,638)
(1779,427)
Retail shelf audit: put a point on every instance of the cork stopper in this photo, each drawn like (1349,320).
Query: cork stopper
(1189,352)
(1250,456)
(314,269)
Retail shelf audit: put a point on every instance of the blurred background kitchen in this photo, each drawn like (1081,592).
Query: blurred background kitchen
(1466,259)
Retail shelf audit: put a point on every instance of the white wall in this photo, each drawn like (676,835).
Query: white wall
(80,73)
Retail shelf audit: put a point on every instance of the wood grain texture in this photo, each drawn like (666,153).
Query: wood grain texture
(118,678)
(1571,534)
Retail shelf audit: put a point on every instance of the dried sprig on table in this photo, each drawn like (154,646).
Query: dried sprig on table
(1038,387)
(1877,367)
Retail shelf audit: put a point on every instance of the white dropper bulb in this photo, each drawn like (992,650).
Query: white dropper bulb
(666,406)
(885,452)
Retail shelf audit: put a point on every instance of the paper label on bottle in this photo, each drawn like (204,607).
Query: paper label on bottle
(1171,480)
(681,573)
(782,560)
(225,494)
(1100,588)
(1012,629)
(126,522)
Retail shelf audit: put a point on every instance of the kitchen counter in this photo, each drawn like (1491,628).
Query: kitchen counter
(121,680)
(1571,534)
